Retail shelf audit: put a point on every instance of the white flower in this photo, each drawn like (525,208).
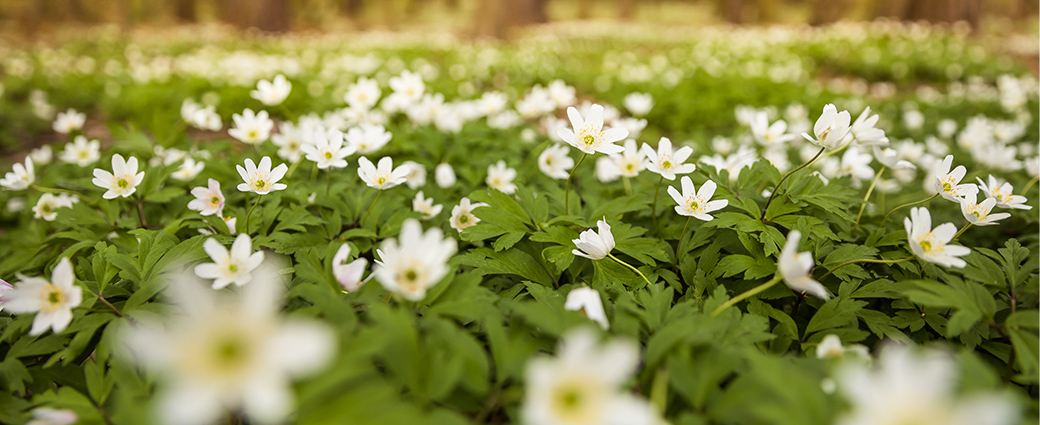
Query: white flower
(229,352)
(52,301)
(913,119)
(769,135)
(696,204)
(794,268)
(415,261)
(946,128)
(69,121)
(416,177)
(188,169)
(251,128)
(830,348)
(272,93)
(1032,166)
(911,388)
(444,175)
(208,200)
(865,132)
(639,104)
(290,139)
(364,94)
(853,163)
(978,213)
(634,126)
(123,179)
(831,128)
(49,416)
(261,180)
(592,245)
(47,207)
(42,155)
(890,158)
(631,161)
(555,162)
(383,177)
(587,301)
(607,169)
(206,119)
(931,245)
(81,151)
(588,134)
(946,182)
(326,149)
(230,223)
(501,177)
(408,85)
(1003,193)
(561,93)
(348,274)
(462,214)
(667,163)
(425,206)
(582,385)
(20,177)
(234,266)
(368,138)
(492,103)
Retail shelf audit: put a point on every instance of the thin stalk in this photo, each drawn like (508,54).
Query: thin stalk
(328,181)
(65,191)
(628,186)
(612,257)
(885,220)
(869,191)
(102,299)
(866,260)
(567,187)
(369,211)
(682,238)
(140,212)
(1030,185)
(746,295)
(841,148)
(966,226)
(250,213)
(657,191)
(784,178)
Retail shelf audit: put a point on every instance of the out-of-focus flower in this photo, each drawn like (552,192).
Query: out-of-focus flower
(1003,193)
(462,214)
(52,301)
(416,177)
(47,207)
(830,348)
(326,149)
(69,121)
(81,152)
(794,268)
(864,130)
(425,206)
(348,274)
(415,261)
(20,177)
(42,155)
(500,177)
(368,138)
(444,175)
(639,104)
(363,94)
(188,169)
(273,92)
(49,416)
(586,300)
(251,128)
(555,162)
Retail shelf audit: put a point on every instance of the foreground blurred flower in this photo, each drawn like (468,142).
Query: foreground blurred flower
(69,121)
(593,245)
(49,416)
(251,128)
(235,266)
(588,134)
(261,180)
(123,179)
(273,92)
(326,149)
(555,162)
(229,352)
(582,385)
(587,301)
(208,200)
(667,163)
(500,177)
(978,213)
(20,177)
(52,301)
(794,268)
(946,182)
(1003,193)
(425,206)
(81,152)
(830,129)
(830,348)
(462,215)
(696,204)
(383,177)
(348,274)
(414,262)
(931,245)
(912,388)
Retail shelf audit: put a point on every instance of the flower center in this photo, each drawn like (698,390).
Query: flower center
(925,245)
(823,134)
(464,219)
(260,184)
(328,155)
(122,183)
(381,180)
(230,351)
(214,200)
(52,296)
(588,139)
(233,268)
(252,134)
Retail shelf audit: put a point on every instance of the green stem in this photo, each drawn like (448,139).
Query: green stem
(140,212)
(1030,185)
(869,191)
(966,226)
(102,299)
(657,191)
(682,238)
(250,213)
(836,151)
(630,267)
(885,220)
(65,191)
(865,260)
(745,295)
(628,186)
(328,181)
(369,211)
(567,187)
(782,179)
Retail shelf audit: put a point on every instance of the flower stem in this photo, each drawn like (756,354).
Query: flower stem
(328,181)
(250,213)
(869,191)
(682,238)
(628,185)
(966,226)
(567,187)
(65,191)
(612,257)
(102,299)
(746,295)
(369,211)
(657,191)
(865,260)
(1030,185)
(782,179)
(140,212)
(885,220)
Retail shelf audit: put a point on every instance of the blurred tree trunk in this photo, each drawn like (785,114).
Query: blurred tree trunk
(766,11)
(274,16)
(185,10)
(496,17)
(945,11)
(351,8)
(732,11)
(827,11)
(236,12)
(626,9)
(584,7)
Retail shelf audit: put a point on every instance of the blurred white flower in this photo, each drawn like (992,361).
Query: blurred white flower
(415,261)
(769,135)
(290,140)
(273,92)
(444,175)
(408,85)
(587,301)
(69,121)
(462,214)
(933,245)
(42,155)
(49,416)
(795,267)
(20,177)
(634,126)
(830,348)
(251,128)
(52,300)
(122,181)
(555,162)
(416,177)
(363,94)
(348,274)
(890,158)
(188,169)
(1003,193)
(326,148)
(81,151)
(500,177)
(639,104)
(865,132)
(48,204)
(425,206)
(368,138)
(607,169)
(561,93)
(631,161)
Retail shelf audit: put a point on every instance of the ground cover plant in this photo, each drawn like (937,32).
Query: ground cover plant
(741,226)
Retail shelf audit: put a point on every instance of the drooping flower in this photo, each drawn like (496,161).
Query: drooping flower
(383,177)
(639,104)
(425,206)
(414,262)
(947,183)
(273,92)
(554,162)
(368,138)
(462,214)
(348,274)
(52,300)
(667,163)
(588,134)
(1003,193)
(696,204)
(81,151)
(593,245)
(208,200)
(250,127)
(587,301)
(261,180)
(122,181)
(500,177)
(234,266)
(831,348)
(978,213)
(794,268)
(830,129)
(326,149)
(864,130)
(69,121)
(932,245)
(20,177)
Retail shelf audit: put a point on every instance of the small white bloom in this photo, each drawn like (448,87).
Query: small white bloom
(52,301)
(230,223)
(206,119)
(290,139)
(251,128)
(408,85)
(946,182)
(49,416)
(561,93)
(123,179)
(588,134)
(261,180)
(47,207)
(500,177)
(368,138)
(416,177)
(932,245)
(415,261)
(890,158)
(20,177)
(42,155)
(947,128)
(769,135)
(272,93)
(348,274)
(913,119)
(631,161)
(188,169)
(978,213)
(593,245)
(234,266)
(555,162)
(444,175)
(639,104)
(69,121)
(364,94)
(383,177)
(694,203)
(462,214)
(587,301)
(81,152)
(794,268)
(1003,193)
(208,200)
(864,130)
(831,128)
(633,125)
(425,206)
(607,169)
(667,163)
(326,149)
(830,348)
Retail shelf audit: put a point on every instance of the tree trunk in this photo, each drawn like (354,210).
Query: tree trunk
(733,11)
(351,8)
(236,12)
(827,11)
(274,16)
(185,11)
(626,9)
(496,17)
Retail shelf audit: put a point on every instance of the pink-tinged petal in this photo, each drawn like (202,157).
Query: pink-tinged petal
(214,186)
